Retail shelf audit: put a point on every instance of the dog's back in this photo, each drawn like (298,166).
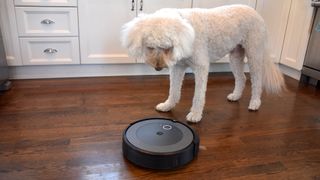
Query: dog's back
(228,25)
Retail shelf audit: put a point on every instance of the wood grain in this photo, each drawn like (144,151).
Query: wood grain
(71,129)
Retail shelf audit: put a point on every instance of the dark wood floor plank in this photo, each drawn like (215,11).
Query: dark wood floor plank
(72,128)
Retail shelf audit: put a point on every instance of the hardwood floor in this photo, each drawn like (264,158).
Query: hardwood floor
(71,129)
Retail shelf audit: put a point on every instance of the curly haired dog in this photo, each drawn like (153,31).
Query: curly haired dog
(181,38)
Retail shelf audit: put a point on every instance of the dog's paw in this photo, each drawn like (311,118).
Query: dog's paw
(164,107)
(254,104)
(194,117)
(233,97)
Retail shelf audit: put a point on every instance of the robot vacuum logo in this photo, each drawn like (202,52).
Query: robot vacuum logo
(167,127)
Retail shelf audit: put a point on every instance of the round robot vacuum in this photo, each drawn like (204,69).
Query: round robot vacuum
(159,143)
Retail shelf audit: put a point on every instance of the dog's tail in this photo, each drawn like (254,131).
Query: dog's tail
(273,80)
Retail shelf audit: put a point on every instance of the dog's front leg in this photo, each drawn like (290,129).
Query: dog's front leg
(176,78)
(201,78)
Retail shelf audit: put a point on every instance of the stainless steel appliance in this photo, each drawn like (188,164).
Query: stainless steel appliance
(4,72)
(311,67)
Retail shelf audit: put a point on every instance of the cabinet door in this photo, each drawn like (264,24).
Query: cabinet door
(100,23)
(47,21)
(216,3)
(52,50)
(46,2)
(10,33)
(297,34)
(150,6)
(275,14)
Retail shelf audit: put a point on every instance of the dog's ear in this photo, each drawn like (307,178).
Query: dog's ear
(132,36)
(183,43)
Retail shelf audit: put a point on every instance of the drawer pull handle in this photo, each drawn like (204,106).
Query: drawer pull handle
(50,51)
(141,5)
(47,21)
(132,5)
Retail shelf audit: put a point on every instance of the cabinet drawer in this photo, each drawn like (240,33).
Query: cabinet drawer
(44,51)
(35,21)
(46,2)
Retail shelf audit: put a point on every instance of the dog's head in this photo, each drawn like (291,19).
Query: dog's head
(159,39)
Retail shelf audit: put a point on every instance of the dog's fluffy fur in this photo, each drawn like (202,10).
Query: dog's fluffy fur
(181,38)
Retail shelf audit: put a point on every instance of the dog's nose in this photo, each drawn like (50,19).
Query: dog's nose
(158,68)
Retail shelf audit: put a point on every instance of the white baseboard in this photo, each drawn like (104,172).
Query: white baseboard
(71,71)
(68,71)
(295,74)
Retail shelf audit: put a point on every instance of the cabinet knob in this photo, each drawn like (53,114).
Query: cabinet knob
(50,51)
(47,21)
(132,5)
(141,5)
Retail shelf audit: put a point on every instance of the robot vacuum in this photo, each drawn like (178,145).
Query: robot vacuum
(159,143)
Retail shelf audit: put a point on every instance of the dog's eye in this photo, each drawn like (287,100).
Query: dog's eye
(167,50)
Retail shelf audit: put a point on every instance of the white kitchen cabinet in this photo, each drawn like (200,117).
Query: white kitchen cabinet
(99,26)
(51,50)
(150,6)
(45,2)
(297,34)
(100,23)
(47,21)
(10,33)
(216,3)
(275,14)
(47,32)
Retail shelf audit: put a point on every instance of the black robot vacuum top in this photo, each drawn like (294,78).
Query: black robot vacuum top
(159,143)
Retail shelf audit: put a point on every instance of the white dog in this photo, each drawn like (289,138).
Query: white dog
(181,38)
